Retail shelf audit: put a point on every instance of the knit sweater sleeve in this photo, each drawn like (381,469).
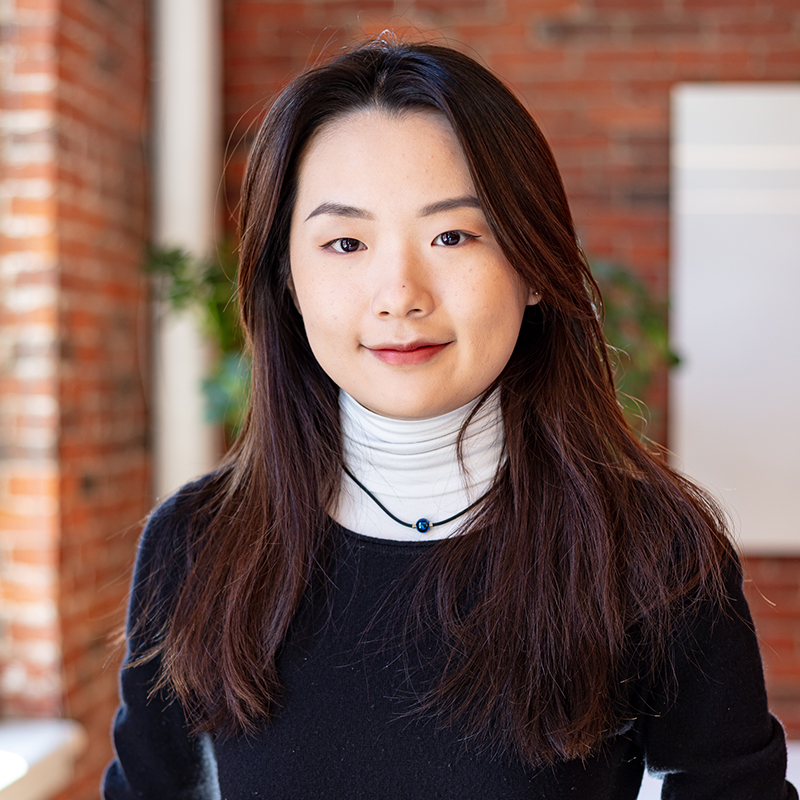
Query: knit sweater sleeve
(157,757)
(709,732)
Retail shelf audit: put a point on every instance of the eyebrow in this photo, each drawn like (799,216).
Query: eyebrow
(341,210)
(468,201)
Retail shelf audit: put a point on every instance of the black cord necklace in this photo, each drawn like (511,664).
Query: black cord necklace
(422,525)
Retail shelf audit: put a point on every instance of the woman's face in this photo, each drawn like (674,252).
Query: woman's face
(408,303)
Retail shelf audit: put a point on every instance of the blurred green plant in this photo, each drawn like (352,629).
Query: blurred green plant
(207,288)
(635,326)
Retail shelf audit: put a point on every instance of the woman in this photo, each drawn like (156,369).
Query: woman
(437,562)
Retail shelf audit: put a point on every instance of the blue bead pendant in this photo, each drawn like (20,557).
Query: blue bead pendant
(422,525)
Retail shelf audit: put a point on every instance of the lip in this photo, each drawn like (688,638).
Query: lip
(407,353)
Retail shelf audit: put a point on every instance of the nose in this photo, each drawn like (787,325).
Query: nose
(402,285)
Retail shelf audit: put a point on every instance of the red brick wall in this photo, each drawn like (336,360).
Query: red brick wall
(597,76)
(29,509)
(773,591)
(103,449)
(74,467)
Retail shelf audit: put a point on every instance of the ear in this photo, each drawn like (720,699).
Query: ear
(293,293)
(533,297)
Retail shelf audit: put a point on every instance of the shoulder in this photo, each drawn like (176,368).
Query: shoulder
(169,526)
(718,616)
(164,554)
(708,719)
(183,503)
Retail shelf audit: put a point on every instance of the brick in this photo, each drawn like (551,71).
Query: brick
(652,7)
(34,485)
(44,557)
(643,63)
(24,634)
(95,167)
(750,28)
(788,59)
(667,29)
(521,9)
(708,65)
(714,5)
(14,592)
(576,32)
(502,33)
(581,93)
(28,206)
(652,90)
(630,118)
(454,6)
(529,66)
(37,9)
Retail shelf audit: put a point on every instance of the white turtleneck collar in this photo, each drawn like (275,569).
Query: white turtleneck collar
(411,466)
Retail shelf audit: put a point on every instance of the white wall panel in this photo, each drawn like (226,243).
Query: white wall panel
(735,219)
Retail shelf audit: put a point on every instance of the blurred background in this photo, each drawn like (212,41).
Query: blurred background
(124,132)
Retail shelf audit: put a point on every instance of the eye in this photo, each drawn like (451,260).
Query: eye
(452,238)
(345,245)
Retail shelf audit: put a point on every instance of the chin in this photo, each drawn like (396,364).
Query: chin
(413,409)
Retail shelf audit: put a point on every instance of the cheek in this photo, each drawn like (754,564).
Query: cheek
(497,307)
(502,332)
(324,346)
(330,317)
(320,307)
(329,331)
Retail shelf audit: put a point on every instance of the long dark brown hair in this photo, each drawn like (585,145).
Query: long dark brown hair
(586,549)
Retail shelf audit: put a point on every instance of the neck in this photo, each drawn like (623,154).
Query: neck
(412,468)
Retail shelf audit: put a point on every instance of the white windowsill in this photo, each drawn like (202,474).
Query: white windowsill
(37,757)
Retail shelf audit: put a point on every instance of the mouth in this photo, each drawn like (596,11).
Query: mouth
(407,353)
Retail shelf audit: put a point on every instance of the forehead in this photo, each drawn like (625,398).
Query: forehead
(376,117)
(386,148)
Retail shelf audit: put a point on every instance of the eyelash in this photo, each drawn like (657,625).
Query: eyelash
(466,237)
(330,245)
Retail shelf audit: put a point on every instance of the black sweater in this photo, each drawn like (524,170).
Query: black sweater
(340,732)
